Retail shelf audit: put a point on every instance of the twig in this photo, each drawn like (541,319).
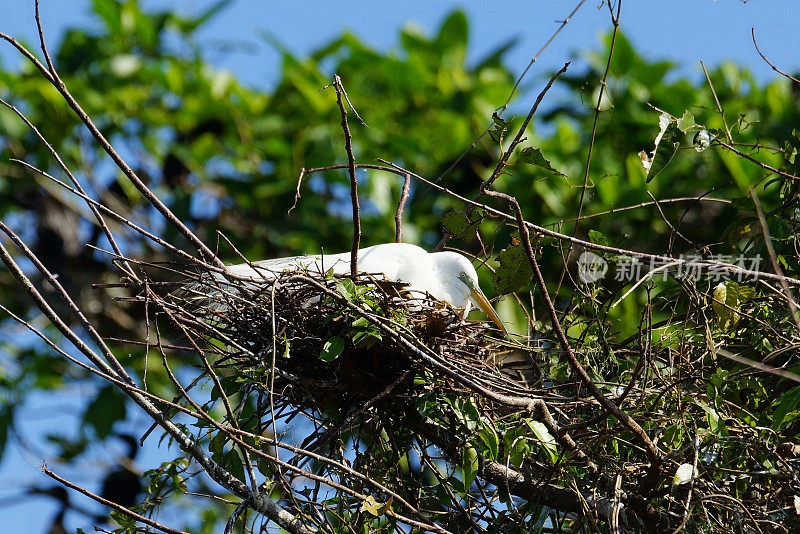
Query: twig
(351,168)
(510,150)
(113,505)
(719,107)
(297,193)
(754,160)
(517,83)
(733,269)
(401,204)
(601,94)
(776,69)
(671,226)
(537,54)
(100,220)
(58,83)
(774,259)
(653,453)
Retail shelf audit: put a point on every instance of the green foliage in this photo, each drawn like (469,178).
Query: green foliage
(533,156)
(332,349)
(728,300)
(514,271)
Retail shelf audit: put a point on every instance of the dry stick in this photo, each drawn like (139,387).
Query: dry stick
(754,160)
(235,430)
(671,226)
(603,81)
(401,205)
(601,94)
(502,109)
(510,150)
(105,502)
(536,56)
(104,143)
(118,371)
(264,505)
(337,428)
(230,430)
(773,257)
(351,169)
(776,69)
(119,218)
(587,244)
(392,167)
(645,204)
(719,106)
(518,483)
(653,453)
(100,220)
(425,354)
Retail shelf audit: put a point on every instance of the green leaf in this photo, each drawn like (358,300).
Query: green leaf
(728,300)
(347,288)
(788,403)
(598,238)
(332,349)
(546,440)
(715,424)
(371,506)
(683,474)
(461,225)
(469,466)
(686,122)
(514,271)
(666,145)
(490,439)
(498,128)
(533,156)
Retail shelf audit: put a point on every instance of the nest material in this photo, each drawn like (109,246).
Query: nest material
(334,341)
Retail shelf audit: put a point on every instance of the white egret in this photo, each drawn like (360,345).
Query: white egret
(446,276)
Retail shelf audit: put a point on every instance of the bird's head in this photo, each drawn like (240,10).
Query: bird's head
(465,286)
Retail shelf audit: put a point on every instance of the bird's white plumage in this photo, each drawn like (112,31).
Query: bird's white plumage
(446,276)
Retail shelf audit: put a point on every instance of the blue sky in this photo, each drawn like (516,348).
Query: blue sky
(684,31)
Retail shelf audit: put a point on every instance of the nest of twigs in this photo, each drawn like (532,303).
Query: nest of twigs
(319,342)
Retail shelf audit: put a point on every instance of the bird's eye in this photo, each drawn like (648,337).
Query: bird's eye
(466,279)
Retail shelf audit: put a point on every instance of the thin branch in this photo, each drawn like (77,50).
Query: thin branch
(719,106)
(776,69)
(105,502)
(653,453)
(759,163)
(106,145)
(501,164)
(401,204)
(351,168)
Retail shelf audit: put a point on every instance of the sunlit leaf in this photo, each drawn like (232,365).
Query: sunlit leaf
(683,474)
(514,271)
(533,156)
(332,349)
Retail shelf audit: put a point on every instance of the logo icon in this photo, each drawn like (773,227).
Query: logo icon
(591,267)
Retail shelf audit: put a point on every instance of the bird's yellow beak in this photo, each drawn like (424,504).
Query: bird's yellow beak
(486,306)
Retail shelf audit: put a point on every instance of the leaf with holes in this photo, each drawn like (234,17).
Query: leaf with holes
(728,300)
(533,156)
(332,349)
(514,271)
(666,145)
(461,225)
